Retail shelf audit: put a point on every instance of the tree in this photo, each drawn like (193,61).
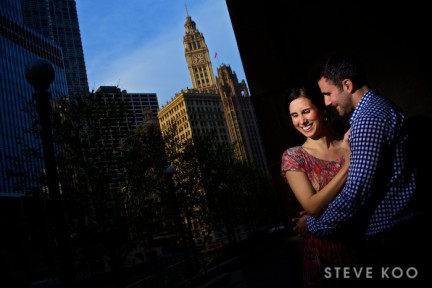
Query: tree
(145,160)
(88,133)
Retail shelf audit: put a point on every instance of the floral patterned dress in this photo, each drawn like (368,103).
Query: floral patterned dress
(318,253)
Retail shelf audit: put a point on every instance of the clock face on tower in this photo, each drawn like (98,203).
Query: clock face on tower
(197,58)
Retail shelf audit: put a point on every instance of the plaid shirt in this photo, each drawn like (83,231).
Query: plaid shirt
(381,182)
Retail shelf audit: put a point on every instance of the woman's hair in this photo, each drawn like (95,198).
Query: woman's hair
(338,125)
(310,92)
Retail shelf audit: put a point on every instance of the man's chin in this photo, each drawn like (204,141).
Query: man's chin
(341,112)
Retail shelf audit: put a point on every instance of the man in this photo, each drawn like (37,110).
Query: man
(379,199)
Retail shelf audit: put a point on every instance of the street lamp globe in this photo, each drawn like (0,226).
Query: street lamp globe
(40,74)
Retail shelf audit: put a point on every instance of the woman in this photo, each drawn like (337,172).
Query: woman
(316,172)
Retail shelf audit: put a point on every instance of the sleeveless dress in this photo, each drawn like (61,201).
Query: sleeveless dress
(318,253)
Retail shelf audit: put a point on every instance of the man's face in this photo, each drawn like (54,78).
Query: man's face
(339,98)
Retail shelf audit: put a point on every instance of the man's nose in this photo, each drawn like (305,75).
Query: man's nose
(327,100)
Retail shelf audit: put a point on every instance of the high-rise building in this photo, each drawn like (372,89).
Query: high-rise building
(144,106)
(194,113)
(240,116)
(22,166)
(20,169)
(141,109)
(197,110)
(198,58)
(220,104)
(30,30)
(58,20)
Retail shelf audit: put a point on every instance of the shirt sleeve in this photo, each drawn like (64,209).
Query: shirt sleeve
(291,161)
(367,143)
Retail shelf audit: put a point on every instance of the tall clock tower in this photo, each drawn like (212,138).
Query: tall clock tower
(198,58)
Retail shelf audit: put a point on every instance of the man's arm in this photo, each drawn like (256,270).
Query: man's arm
(367,142)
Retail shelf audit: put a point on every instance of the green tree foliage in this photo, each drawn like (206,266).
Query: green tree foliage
(118,193)
(217,192)
(88,133)
(145,161)
(25,168)
(213,190)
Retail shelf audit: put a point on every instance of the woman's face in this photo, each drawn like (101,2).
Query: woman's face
(306,117)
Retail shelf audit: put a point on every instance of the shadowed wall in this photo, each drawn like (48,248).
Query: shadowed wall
(282,42)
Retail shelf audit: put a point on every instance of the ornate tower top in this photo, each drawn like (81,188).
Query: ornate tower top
(190,25)
(198,57)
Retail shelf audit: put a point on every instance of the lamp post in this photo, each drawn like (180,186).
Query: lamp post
(40,74)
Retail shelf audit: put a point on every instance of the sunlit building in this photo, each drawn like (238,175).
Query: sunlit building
(241,120)
(219,104)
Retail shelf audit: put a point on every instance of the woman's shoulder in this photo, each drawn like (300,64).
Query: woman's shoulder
(296,153)
(293,159)
(293,150)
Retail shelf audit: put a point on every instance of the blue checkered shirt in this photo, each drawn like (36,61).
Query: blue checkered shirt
(380,181)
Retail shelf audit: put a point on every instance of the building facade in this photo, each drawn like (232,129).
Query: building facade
(241,120)
(58,20)
(214,103)
(144,106)
(198,58)
(141,109)
(197,110)
(20,174)
(23,193)
(193,113)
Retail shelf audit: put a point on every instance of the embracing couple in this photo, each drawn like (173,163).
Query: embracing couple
(360,194)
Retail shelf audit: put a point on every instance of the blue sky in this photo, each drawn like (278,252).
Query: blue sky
(137,45)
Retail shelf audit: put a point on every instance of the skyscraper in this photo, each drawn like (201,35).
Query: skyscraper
(194,113)
(21,169)
(58,20)
(241,120)
(141,108)
(197,110)
(221,104)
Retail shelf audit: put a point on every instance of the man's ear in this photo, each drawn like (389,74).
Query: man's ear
(347,85)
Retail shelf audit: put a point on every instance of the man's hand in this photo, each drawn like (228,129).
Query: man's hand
(345,146)
(300,226)
(295,219)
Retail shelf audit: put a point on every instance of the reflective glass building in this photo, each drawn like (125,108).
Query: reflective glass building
(57,20)
(21,161)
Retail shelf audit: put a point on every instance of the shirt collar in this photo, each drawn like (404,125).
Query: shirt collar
(363,102)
